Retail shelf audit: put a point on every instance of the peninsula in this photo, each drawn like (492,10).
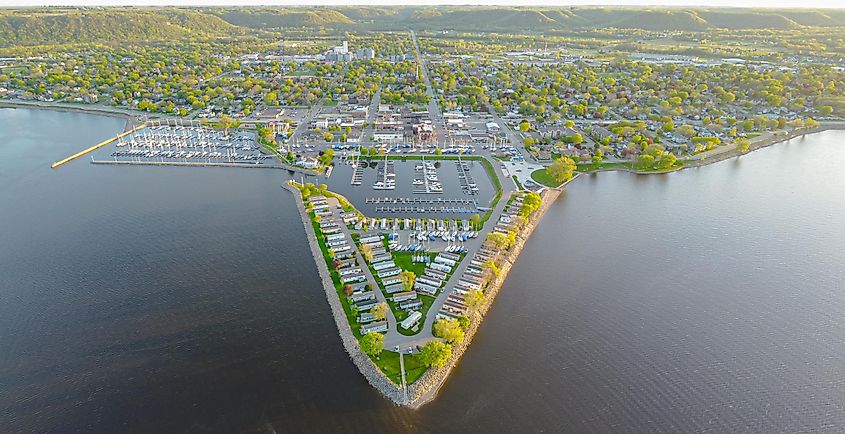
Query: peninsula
(420,156)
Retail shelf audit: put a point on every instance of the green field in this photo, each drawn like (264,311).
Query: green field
(542,177)
(389,364)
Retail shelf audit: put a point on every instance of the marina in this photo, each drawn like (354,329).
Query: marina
(187,142)
(426,180)
(465,178)
(385,176)
(420,188)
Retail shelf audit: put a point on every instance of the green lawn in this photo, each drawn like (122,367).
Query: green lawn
(389,364)
(353,321)
(590,167)
(542,177)
(516,181)
(404,261)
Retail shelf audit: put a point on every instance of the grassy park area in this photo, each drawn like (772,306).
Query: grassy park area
(542,177)
(388,363)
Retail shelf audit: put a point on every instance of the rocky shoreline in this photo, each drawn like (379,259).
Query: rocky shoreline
(370,371)
(426,387)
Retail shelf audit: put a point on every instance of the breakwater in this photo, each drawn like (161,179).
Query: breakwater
(97,146)
(186,163)
(426,387)
(368,369)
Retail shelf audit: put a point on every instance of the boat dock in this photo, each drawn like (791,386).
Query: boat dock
(357,171)
(425,179)
(385,176)
(468,184)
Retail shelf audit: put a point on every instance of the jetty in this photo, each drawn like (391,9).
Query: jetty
(97,146)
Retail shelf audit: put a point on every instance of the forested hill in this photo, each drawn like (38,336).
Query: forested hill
(43,26)
(527,19)
(40,26)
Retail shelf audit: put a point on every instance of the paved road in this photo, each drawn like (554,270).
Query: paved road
(473,244)
(391,320)
(433,107)
(372,115)
(513,137)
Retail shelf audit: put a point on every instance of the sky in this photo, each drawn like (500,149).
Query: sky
(709,3)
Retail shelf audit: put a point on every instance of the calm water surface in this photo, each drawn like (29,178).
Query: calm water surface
(146,299)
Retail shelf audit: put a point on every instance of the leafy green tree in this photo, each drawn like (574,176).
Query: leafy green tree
(372,344)
(449,330)
(408,279)
(475,220)
(380,311)
(742,144)
(463,321)
(499,240)
(562,169)
(645,161)
(474,299)
(667,160)
(435,353)
(524,126)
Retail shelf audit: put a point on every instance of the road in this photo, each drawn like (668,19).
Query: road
(513,137)
(372,115)
(473,244)
(392,332)
(433,108)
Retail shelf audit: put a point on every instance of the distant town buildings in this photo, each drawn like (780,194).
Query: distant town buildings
(365,53)
(341,53)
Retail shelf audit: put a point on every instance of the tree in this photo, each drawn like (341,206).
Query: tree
(366,251)
(328,137)
(742,144)
(474,299)
(463,321)
(530,203)
(562,169)
(449,330)
(327,157)
(435,353)
(408,279)
(497,239)
(645,161)
(372,344)
(347,289)
(380,311)
(475,220)
(491,266)
(825,110)
(524,126)
(667,160)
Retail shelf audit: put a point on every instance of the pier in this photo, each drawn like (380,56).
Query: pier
(97,146)
(357,171)
(468,184)
(185,163)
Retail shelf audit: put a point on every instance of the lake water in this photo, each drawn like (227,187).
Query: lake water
(163,299)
